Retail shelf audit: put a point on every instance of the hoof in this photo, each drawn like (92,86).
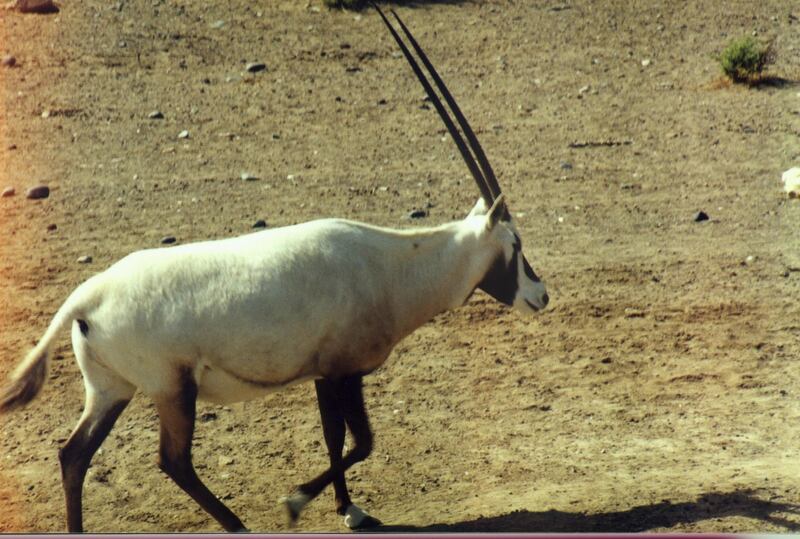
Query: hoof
(294,503)
(356,518)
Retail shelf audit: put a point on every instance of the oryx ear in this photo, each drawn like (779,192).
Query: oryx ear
(496,212)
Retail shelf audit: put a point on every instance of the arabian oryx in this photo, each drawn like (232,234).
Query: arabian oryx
(233,319)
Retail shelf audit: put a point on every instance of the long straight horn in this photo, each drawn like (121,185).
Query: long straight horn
(486,192)
(486,168)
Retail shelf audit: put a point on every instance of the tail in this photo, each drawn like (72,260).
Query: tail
(28,378)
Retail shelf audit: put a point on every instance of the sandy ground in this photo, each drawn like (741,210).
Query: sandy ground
(658,392)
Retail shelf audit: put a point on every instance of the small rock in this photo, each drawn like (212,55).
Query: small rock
(168,240)
(646,62)
(85,259)
(583,90)
(565,166)
(37,192)
(246,176)
(8,61)
(629,186)
(749,260)
(791,182)
(261,223)
(51,227)
(35,6)
(225,460)
(207,416)
(700,216)
(417,214)
(217,24)
(156,115)
(9,192)
(255,67)
(183,134)
(12,147)
(45,113)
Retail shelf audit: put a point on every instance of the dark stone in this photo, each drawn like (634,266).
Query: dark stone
(255,67)
(261,223)
(417,214)
(36,6)
(156,115)
(40,191)
(700,216)
(168,240)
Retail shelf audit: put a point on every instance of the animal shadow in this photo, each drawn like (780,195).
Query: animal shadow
(637,519)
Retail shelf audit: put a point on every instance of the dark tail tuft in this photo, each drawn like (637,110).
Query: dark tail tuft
(25,383)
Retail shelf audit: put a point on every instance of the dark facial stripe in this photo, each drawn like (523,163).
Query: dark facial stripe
(525,266)
(529,271)
(500,281)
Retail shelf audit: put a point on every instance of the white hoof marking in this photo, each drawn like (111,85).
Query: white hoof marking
(355,517)
(295,503)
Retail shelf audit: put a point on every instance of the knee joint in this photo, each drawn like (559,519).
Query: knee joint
(363,448)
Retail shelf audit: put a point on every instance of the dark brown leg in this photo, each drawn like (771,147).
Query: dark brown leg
(96,422)
(177,416)
(333,428)
(348,394)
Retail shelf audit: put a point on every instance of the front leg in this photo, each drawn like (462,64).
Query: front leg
(333,429)
(340,402)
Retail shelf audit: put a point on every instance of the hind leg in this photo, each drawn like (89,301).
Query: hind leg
(107,395)
(177,415)
(333,429)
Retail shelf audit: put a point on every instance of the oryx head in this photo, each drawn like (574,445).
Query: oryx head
(510,278)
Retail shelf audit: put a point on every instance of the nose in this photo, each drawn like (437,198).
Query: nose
(545,299)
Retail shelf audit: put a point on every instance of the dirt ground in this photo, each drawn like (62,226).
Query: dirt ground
(657,392)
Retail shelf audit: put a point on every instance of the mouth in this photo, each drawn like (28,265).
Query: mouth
(531,305)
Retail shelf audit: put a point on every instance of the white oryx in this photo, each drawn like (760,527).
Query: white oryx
(230,320)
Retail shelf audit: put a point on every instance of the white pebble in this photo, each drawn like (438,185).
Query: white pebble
(791,182)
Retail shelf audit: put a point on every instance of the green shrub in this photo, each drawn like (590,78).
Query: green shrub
(744,59)
(346,4)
